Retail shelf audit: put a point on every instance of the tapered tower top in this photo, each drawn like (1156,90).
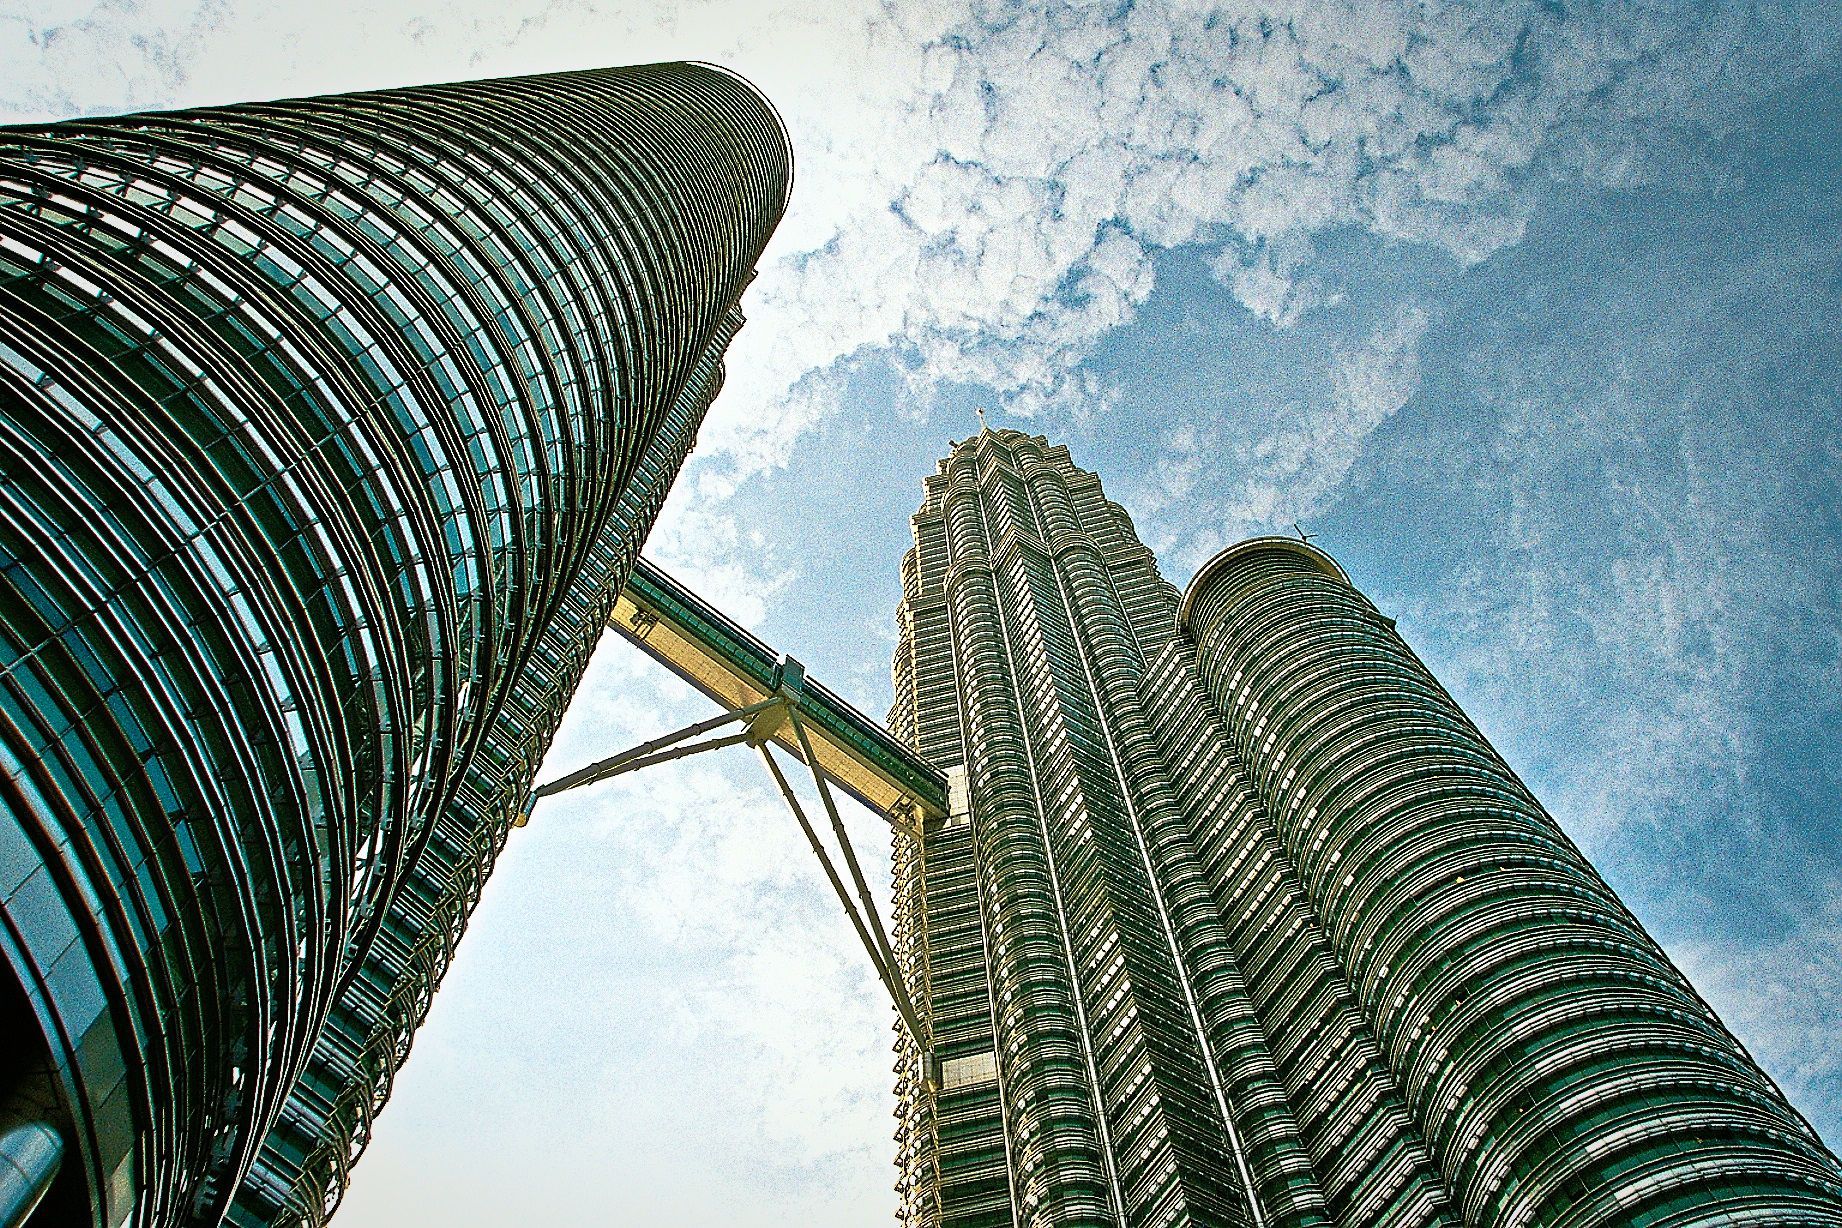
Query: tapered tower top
(1225,561)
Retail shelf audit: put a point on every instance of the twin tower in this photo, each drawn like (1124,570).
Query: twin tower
(329,434)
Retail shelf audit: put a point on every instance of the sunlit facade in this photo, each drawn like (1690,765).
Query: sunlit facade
(329,430)
(1246,923)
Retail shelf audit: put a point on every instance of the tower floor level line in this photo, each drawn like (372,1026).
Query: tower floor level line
(330,429)
(1246,923)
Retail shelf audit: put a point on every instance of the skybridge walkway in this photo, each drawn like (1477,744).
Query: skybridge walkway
(767,700)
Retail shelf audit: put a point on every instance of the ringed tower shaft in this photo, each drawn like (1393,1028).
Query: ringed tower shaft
(329,433)
(1246,923)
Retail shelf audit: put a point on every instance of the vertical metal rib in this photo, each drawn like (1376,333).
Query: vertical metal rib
(330,429)
(1561,1068)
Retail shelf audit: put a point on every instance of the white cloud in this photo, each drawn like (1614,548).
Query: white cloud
(1044,153)
(981,184)
(1627,551)
(714,866)
(704,545)
(66,57)
(1264,280)
(1266,466)
(1781,997)
(1662,676)
(710,866)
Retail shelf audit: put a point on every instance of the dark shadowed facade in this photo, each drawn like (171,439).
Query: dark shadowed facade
(1247,924)
(329,430)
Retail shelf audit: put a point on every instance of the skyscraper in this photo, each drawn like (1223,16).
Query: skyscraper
(329,430)
(1246,923)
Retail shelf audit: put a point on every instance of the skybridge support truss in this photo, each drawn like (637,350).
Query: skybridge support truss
(762,723)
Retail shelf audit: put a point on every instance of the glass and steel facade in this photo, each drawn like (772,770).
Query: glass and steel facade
(329,432)
(1247,924)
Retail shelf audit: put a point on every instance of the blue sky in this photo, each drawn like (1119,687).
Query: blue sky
(1531,313)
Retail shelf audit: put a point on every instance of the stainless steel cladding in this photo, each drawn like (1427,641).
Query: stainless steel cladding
(1248,924)
(1560,1068)
(329,431)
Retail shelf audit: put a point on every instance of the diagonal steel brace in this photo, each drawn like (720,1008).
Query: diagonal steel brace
(645,752)
(887,970)
(763,719)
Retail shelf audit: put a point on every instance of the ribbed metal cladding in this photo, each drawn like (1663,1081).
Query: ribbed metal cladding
(1328,1088)
(329,430)
(1249,926)
(1126,1082)
(1560,1068)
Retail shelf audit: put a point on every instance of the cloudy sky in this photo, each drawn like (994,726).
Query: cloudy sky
(1531,311)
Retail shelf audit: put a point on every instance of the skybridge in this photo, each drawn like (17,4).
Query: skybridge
(681,631)
(766,700)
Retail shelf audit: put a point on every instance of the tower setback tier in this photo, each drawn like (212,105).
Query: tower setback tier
(1248,925)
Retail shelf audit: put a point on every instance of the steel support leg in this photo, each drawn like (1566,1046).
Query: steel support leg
(865,919)
(886,970)
(850,856)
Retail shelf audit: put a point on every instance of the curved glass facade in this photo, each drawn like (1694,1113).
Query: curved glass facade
(329,430)
(1248,925)
(1559,1066)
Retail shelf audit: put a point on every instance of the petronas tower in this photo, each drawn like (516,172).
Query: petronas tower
(1239,920)
(329,433)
